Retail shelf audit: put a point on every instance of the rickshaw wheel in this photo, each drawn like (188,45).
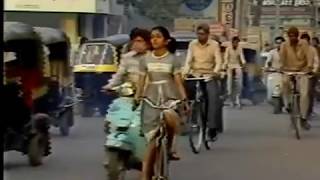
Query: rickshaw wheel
(36,149)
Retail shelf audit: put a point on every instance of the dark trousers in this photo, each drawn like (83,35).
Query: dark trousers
(312,93)
(212,92)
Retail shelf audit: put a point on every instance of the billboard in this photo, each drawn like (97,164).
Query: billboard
(88,6)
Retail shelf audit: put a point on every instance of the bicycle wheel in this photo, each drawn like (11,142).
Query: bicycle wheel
(295,116)
(196,131)
(161,166)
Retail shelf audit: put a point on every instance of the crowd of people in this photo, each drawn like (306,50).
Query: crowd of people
(153,68)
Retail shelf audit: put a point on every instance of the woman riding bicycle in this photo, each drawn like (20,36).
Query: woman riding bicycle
(164,82)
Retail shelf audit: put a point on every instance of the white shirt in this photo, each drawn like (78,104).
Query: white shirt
(234,58)
(273,58)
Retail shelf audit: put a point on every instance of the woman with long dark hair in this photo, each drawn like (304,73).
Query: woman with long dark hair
(163,72)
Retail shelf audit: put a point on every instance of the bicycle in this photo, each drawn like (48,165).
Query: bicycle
(197,121)
(295,114)
(235,99)
(160,138)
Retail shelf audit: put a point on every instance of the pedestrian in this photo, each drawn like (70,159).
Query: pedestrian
(234,63)
(295,56)
(204,59)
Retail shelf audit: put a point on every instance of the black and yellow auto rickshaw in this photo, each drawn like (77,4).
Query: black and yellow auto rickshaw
(26,127)
(59,99)
(97,61)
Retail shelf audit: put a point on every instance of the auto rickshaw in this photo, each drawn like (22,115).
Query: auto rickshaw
(60,96)
(98,60)
(26,127)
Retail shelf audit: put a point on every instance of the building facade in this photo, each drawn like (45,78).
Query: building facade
(89,18)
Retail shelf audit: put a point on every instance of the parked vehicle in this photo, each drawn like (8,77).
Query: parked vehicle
(60,97)
(274,90)
(99,59)
(27,128)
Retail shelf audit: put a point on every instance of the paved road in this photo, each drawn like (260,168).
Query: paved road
(256,145)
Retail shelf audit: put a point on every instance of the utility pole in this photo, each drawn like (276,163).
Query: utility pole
(278,19)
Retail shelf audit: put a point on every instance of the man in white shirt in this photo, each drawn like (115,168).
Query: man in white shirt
(273,62)
(273,58)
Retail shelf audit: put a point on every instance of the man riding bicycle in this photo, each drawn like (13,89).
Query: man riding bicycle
(204,59)
(234,61)
(295,56)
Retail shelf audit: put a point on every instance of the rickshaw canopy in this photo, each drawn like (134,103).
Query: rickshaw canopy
(51,35)
(18,31)
(115,40)
(9,56)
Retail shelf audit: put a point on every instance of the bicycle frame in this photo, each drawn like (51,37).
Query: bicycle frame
(295,110)
(161,138)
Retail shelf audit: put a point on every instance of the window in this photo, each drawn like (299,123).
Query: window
(97,54)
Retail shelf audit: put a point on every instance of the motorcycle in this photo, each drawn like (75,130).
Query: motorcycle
(125,143)
(274,89)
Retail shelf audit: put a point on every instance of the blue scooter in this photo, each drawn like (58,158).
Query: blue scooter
(125,143)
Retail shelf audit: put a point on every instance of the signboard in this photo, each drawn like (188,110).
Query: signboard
(51,5)
(286,2)
(227,13)
(287,10)
(198,5)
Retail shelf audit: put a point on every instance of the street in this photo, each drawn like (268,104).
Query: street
(256,145)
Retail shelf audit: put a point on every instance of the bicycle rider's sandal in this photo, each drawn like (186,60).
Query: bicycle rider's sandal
(173,156)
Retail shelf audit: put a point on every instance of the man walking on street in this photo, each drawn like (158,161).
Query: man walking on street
(204,59)
(295,56)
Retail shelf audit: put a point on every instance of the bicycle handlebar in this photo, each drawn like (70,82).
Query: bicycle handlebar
(271,70)
(172,103)
(198,79)
(294,73)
